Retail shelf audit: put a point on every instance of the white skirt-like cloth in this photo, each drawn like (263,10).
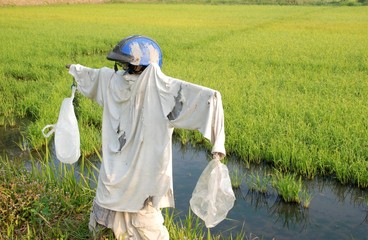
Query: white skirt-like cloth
(147,224)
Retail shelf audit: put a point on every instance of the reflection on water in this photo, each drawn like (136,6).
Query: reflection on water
(287,215)
(335,211)
(10,139)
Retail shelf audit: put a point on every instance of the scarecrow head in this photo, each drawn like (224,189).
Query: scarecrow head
(136,52)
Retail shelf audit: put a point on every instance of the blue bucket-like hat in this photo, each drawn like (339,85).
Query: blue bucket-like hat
(137,50)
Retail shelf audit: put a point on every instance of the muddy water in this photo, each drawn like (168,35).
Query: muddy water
(335,211)
(11,141)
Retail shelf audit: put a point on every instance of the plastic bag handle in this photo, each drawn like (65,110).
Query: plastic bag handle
(50,132)
(74,88)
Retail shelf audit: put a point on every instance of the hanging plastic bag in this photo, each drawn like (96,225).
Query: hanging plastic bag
(67,139)
(213,196)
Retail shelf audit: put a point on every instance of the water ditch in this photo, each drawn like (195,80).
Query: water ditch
(335,212)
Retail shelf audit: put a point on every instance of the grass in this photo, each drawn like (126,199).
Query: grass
(258,182)
(290,189)
(287,187)
(306,198)
(236,178)
(259,2)
(40,205)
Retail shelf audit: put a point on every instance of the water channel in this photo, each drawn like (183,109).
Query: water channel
(335,211)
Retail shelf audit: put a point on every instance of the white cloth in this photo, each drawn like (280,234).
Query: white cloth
(139,115)
(147,224)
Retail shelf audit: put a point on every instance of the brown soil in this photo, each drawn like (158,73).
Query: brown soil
(45,2)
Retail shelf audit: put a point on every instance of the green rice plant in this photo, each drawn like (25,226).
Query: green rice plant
(342,171)
(191,227)
(360,177)
(306,198)
(11,122)
(287,186)
(236,177)
(258,182)
(23,144)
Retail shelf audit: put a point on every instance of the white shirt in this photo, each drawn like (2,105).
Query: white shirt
(139,116)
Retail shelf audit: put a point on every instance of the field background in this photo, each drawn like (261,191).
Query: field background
(45,2)
(294,79)
(283,2)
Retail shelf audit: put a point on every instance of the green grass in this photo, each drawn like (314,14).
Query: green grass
(293,78)
(306,198)
(258,182)
(236,178)
(42,203)
(259,2)
(288,187)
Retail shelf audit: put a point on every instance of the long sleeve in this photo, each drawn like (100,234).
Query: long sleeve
(88,80)
(198,108)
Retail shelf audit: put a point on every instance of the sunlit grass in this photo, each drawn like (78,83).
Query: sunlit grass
(288,187)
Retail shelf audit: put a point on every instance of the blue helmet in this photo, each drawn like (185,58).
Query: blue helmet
(137,50)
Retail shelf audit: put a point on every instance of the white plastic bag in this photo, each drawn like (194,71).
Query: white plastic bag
(213,196)
(67,139)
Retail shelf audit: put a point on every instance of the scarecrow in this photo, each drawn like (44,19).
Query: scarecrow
(141,108)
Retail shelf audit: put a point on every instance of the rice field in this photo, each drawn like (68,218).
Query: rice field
(293,79)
